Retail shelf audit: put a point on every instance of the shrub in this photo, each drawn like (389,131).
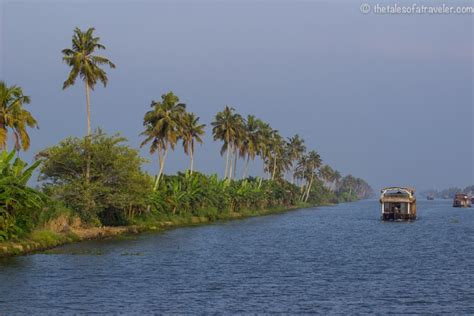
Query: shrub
(114,190)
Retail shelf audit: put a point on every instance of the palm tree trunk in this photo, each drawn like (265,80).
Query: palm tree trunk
(155,185)
(235,161)
(227,161)
(246,167)
(303,191)
(191,155)
(162,167)
(274,167)
(231,164)
(88,108)
(263,168)
(302,180)
(229,171)
(5,147)
(309,188)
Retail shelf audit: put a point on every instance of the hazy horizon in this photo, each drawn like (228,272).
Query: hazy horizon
(385,98)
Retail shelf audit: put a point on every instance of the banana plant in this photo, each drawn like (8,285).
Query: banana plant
(15,196)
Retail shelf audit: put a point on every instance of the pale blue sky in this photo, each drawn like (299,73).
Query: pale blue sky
(386,98)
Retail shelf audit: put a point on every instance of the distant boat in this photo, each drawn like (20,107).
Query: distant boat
(398,204)
(430,197)
(462,200)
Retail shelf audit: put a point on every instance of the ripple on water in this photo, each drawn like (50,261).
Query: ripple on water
(338,259)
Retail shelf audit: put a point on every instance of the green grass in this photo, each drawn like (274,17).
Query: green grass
(37,240)
(42,239)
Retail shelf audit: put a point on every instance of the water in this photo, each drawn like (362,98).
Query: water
(339,259)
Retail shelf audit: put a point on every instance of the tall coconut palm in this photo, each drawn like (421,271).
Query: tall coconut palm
(14,117)
(162,128)
(80,57)
(283,162)
(336,179)
(249,148)
(264,143)
(191,132)
(239,138)
(296,149)
(301,170)
(225,128)
(277,145)
(314,162)
(326,174)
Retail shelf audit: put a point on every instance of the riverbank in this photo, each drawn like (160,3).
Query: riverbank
(63,231)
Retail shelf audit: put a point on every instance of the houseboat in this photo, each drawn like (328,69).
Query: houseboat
(398,203)
(461,200)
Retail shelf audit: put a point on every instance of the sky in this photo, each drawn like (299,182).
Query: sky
(388,98)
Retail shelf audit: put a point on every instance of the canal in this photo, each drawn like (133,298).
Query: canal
(339,259)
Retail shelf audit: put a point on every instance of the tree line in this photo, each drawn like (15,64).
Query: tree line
(449,193)
(101,179)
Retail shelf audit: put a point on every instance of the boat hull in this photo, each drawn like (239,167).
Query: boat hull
(462,205)
(398,217)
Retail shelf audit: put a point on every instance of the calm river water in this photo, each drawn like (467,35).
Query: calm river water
(339,259)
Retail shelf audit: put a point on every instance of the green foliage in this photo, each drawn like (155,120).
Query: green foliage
(117,188)
(14,117)
(45,237)
(20,205)
(101,180)
(321,195)
(194,193)
(80,57)
(352,189)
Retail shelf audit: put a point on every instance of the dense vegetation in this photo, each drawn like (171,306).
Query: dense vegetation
(116,185)
(100,179)
(20,206)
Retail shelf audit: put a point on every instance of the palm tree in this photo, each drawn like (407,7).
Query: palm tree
(225,128)
(162,128)
(239,138)
(301,168)
(336,179)
(85,64)
(264,142)
(296,149)
(250,143)
(13,116)
(327,174)
(277,145)
(283,162)
(191,131)
(313,163)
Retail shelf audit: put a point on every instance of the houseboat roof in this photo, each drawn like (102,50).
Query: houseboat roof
(398,189)
(398,194)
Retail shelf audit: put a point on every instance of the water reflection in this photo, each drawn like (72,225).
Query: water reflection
(339,259)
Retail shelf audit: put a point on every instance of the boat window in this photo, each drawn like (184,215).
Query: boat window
(404,208)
